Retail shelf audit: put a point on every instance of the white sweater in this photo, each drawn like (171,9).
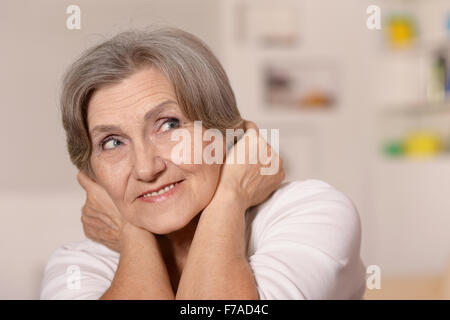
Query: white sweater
(302,243)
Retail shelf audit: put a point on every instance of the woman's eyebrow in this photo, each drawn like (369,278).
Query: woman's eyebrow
(107,128)
(158,108)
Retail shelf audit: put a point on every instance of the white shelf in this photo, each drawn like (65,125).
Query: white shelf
(442,158)
(419,109)
(296,118)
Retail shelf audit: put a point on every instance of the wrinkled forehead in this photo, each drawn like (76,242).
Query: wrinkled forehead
(132,97)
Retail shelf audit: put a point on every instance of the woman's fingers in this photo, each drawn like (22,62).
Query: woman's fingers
(95,230)
(85,182)
(262,171)
(100,218)
(264,149)
(89,211)
(93,190)
(97,197)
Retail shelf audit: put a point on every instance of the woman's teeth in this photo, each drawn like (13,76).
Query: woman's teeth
(160,191)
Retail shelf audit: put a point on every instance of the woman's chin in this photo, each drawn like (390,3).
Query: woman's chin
(163,227)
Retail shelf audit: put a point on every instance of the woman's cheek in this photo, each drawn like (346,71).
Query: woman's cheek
(174,146)
(182,146)
(112,170)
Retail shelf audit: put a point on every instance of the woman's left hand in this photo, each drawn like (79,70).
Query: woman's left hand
(102,221)
(244,182)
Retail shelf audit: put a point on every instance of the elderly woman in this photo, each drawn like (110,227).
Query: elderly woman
(164,229)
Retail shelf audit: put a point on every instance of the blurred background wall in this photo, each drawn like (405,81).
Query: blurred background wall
(366,110)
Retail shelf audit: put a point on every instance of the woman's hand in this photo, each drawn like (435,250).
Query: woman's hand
(218,249)
(102,221)
(141,272)
(245,182)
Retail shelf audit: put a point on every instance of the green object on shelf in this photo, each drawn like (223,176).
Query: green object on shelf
(393,148)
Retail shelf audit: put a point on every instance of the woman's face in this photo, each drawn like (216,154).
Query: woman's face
(130,125)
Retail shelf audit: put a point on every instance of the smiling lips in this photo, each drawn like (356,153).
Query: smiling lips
(159,194)
(160,191)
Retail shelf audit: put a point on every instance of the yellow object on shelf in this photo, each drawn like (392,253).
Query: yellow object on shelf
(422,143)
(401,31)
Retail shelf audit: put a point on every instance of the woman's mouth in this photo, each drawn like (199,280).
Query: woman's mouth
(161,194)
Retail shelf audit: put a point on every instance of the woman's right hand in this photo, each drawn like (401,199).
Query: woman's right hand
(102,221)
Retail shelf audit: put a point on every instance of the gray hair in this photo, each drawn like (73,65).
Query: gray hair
(201,85)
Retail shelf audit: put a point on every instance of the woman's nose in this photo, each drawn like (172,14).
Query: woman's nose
(147,164)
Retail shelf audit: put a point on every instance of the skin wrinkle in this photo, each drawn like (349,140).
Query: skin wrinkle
(119,98)
(113,96)
(130,176)
(200,86)
(142,162)
(152,113)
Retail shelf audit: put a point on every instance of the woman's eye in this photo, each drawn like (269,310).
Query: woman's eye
(110,143)
(169,124)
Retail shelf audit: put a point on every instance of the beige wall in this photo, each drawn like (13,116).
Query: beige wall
(36,49)
(40,199)
(403,205)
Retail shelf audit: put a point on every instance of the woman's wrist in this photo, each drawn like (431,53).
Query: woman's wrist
(131,234)
(230,197)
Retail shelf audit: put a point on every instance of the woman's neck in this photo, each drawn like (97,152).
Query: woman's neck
(175,248)
(183,237)
(176,245)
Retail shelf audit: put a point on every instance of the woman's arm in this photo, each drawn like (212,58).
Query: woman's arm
(141,273)
(217,266)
